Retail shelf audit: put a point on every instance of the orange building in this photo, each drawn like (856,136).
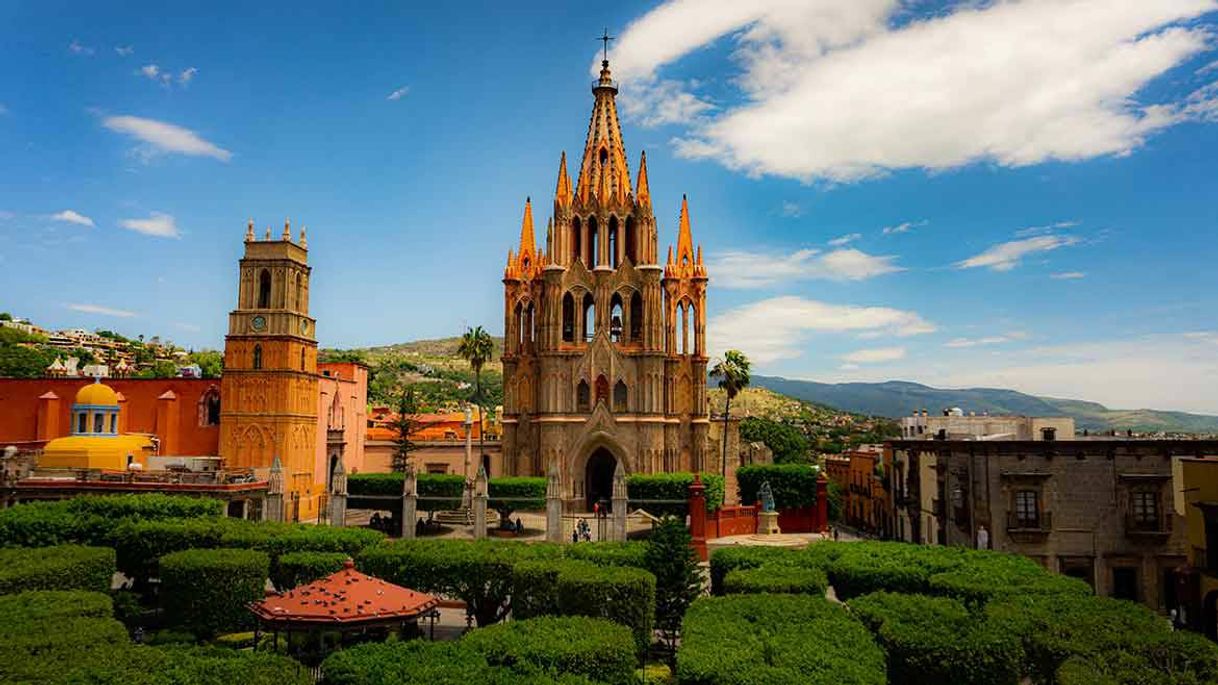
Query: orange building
(440,441)
(865,497)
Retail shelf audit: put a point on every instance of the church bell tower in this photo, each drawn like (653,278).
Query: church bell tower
(270,385)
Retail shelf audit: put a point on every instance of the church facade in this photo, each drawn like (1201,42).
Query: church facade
(604,358)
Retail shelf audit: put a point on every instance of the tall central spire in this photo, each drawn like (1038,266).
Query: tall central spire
(604,166)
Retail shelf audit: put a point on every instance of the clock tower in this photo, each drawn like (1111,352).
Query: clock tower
(270,385)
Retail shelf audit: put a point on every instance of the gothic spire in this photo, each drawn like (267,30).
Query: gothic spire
(685,238)
(643,192)
(528,244)
(563,194)
(604,162)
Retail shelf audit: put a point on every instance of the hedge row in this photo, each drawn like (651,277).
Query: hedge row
(298,568)
(642,489)
(610,553)
(595,649)
(45,605)
(89,519)
(775,640)
(67,567)
(429,663)
(727,559)
(793,485)
(776,579)
(931,640)
(206,591)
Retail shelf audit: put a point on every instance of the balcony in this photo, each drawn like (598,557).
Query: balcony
(1041,523)
(1136,527)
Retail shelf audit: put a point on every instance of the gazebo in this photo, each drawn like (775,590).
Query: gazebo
(347,602)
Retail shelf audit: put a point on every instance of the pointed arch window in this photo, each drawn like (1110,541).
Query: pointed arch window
(683,322)
(568,318)
(593,244)
(636,318)
(583,397)
(632,241)
(209,407)
(264,289)
(602,389)
(516,338)
(577,253)
(257,357)
(531,326)
(693,322)
(615,318)
(620,395)
(613,245)
(589,317)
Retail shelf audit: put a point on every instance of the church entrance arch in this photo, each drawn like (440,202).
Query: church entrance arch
(598,477)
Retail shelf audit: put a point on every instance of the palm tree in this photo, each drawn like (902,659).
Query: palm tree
(733,374)
(477,348)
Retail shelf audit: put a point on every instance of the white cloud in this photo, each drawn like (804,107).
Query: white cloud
(72,217)
(98,309)
(1067,275)
(792,210)
(741,269)
(903,227)
(187,75)
(653,103)
(848,238)
(187,326)
(152,71)
(987,340)
(399,93)
(777,328)
(124,50)
(1006,256)
(76,48)
(848,90)
(161,136)
(874,355)
(158,224)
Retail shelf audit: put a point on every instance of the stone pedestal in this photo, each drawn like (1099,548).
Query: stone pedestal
(767,523)
(553,509)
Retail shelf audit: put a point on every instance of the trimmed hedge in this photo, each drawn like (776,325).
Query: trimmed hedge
(610,553)
(42,651)
(189,665)
(726,559)
(89,520)
(206,590)
(776,579)
(507,492)
(985,576)
(573,645)
(933,640)
(775,640)
(535,587)
(477,572)
(448,486)
(1178,658)
(618,593)
(641,487)
(277,539)
(430,663)
(67,567)
(44,605)
(139,544)
(793,485)
(146,506)
(298,568)
(861,568)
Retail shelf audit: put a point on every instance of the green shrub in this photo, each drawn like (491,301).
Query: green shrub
(140,543)
(190,665)
(861,568)
(610,553)
(932,640)
(726,559)
(41,524)
(515,493)
(67,567)
(985,575)
(775,639)
(449,487)
(146,506)
(788,442)
(43,651)
(535,587)
(277,539)
(478,573)
(375,484)
(298,568)
(430,663)
(206,590)
(574,645)
(793,485)
(671,559)
(44,605)
(776,579)
(618,593)
(642,487)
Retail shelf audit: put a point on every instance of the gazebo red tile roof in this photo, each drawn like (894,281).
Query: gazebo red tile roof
(347,597)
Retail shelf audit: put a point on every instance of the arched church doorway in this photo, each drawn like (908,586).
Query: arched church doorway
(598,477)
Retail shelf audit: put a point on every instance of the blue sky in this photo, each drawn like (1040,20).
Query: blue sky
(1044,170)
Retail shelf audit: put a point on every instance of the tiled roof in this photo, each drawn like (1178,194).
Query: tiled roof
(345,597)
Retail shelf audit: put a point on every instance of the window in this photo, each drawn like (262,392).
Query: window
(264,289)
(518,322)
(1146,509)
(257,357)
(683,321)
(594,245)
(619,397)
(636,318)
(602,389)
(1125,583)
(583,397)
(568,318)
(1048,434)
(209,410)
(114,422)
(693,331)
(577,253)
(1027,508)
(631,242)
(589,317)
(99,422)
(615,318)
(302,359)
(82,422)
(613,241)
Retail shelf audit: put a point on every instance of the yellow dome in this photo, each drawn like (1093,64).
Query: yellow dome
(97,395)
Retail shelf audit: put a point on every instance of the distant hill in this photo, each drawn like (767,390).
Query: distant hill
(899,398)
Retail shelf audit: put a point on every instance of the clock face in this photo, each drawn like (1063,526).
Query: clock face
(304,327)
(258,323)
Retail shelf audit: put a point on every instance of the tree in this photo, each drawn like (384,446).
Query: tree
(17,361)
(210,362)
(5,316)
(733,374)
(788,443)
(406,423)
(477,348)
(670,557)
(161,368)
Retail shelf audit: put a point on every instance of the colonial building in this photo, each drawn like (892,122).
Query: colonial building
(954,424)
(1099,510)
(605,353)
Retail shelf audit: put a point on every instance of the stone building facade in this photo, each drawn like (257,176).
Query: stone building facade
(1099,510)
(605,355)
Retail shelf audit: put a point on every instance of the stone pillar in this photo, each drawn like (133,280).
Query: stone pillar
(480,498)
(697,516)
(273,511)
(822,503)
(620,504)
(338,495)
(410,502)
(554,508)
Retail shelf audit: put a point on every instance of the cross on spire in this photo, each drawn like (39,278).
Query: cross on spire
(605,38)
